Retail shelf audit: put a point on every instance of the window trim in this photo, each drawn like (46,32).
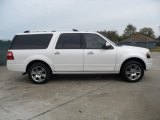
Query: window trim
(81,42)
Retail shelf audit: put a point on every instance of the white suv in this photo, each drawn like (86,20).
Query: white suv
(42,53)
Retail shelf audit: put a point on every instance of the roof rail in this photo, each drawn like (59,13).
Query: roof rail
(66,30)
(74,29)
(29,31)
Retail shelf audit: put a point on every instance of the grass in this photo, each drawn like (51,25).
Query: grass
(156,49)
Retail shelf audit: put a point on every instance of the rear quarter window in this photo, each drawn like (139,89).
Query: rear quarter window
(31,41)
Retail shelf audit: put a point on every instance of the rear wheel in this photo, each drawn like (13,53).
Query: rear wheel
(132,71)
(39,73)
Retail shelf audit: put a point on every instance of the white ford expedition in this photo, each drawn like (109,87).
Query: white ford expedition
(43,53)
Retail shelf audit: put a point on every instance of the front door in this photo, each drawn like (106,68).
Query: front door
(96,58)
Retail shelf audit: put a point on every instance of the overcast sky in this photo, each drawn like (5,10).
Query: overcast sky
(91,15)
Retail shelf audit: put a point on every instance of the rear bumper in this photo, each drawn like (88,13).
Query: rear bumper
(16,67)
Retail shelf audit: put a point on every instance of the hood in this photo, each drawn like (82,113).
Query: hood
(133,48)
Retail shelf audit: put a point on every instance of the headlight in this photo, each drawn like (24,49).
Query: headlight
(148,55)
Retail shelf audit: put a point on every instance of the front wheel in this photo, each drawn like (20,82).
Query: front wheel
(132,71)
(39,73)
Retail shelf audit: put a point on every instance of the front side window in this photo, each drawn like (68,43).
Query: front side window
(69,41)
(93,41)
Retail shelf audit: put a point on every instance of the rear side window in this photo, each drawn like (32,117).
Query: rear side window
(31,41)
(69,41)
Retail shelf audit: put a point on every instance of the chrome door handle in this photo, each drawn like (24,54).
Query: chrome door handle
(56,53)
(90,53)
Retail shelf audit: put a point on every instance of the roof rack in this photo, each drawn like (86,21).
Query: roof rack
(29,31)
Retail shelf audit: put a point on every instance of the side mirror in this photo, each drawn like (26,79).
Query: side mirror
(106,46)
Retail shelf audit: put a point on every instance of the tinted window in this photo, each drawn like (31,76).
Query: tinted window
(32,41)
(93,41)
(69,41)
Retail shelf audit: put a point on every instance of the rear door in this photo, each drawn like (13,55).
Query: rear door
(68,53)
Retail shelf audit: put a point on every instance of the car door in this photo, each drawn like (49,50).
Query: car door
(68,55)
(97,58)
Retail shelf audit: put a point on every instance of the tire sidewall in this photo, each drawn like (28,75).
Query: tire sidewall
(48,73)
(123,71)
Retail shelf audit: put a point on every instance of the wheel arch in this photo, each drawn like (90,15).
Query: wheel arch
(133,59)
(37,61)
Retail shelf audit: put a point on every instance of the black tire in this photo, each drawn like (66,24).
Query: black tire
(43,76)
(132,76)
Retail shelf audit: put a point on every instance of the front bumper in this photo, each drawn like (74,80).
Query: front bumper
(149,64)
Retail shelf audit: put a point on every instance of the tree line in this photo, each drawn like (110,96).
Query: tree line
(128,32)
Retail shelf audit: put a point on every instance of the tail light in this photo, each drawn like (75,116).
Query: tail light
(10,55)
